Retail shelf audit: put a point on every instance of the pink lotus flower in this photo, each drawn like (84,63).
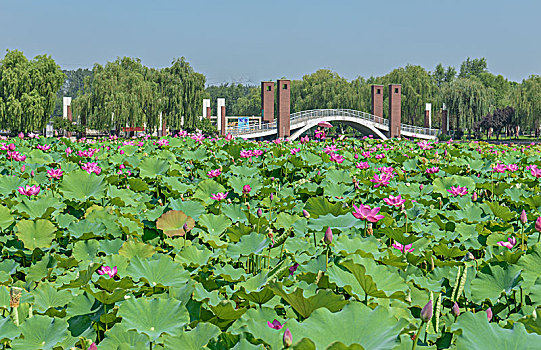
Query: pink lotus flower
(500,168)
(55,173)
(364,212)
(68,150)
(380,156)
(394,201)
(246,153)
(91,168)
(93,346)
(305,139)
(387,170)
(29,190)
(362,165)
(43,147)
(381,179)
(228,137)
(246,189)
(275,324)
(403,248)
(199,137)
(535,171)
(257,152)
(219,196)
(365,154)
(294,151)
(512,167)
(458,191)
(16,156)
(21,135)
(432,170)
(162,142)
(330,149)
(511,242)
(33,136)
(106,270)
(335,157)
(214,173)
(424,145)
(292,269)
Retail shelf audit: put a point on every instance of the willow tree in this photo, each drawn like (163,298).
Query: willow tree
(121,93)
(27,91)
(467,100)
(526,98)
(183,91)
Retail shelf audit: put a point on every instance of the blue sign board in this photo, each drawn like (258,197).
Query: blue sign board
(243,122)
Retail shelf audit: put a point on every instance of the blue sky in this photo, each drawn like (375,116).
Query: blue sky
(250,41)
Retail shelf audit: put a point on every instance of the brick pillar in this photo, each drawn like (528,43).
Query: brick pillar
(444,130)
(284,105)
(208,112)
(377,102)
(70,118)
(267,101)
(223,121)
(395,97)
(427,119)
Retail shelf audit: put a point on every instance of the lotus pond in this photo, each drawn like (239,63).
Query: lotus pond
(192,243)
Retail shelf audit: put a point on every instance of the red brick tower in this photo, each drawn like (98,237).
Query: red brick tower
(267,101)
(223,121)
(395,97)
(377,102)
(284,105)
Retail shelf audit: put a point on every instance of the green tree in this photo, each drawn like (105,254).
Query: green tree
(27,91)
(473,67)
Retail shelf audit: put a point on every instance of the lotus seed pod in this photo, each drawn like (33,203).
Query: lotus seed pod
(489,314)
(259,212)
(426,312)
(328,236)
(456,309)
(523,217)
(288,338)
(305,213)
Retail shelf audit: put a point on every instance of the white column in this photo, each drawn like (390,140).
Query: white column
(66,102)
(160,128)
(220,103)
(206,103)
(429,109)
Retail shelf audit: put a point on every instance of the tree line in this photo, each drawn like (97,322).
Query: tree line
(124,92)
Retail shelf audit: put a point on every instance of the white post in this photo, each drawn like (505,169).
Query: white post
(206,104)
(220,103)
(160,128)
(66,102)
(429,109)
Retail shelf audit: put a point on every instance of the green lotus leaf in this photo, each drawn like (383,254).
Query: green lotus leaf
(80,186)
(8,330)
(253,243)
(479,334)
(6,219)
(175,184)
(216,224)
(132,248)
(152,167)
(531,263)
(158,272)
(356,324)
(47,296)
(37,156)
(138,185)
(190,208)
(104,296)
(36,234)
(319,206)
(341,222)
(501,212)
(235,212)
(285,220)
(238,182)
(193,256)
(172,223)
(41,332)
(494,280)
(154,317)
(119,337)
(305,306)
(226,310)
(206,188)
(195,339)
(8,184)
(254,323)
(86,229)
(82,304)
(86,250)
(41,207)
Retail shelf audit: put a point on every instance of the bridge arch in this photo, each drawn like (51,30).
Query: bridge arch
(358,123)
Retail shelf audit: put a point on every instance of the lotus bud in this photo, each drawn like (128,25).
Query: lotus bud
(538,224)
(271,196)
(93,346)
(456,309)
(21,135)
(523,217)
(259,212)
(22,168)
(246,189)
(489,314)
(421,187)
(11,147)
(426,312)
(474,196)
(305,213)
(288,338)
(185,227)
(328,236)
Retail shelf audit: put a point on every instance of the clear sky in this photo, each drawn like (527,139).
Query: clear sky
(254,40)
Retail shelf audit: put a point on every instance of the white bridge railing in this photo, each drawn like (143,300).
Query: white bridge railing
(303,116)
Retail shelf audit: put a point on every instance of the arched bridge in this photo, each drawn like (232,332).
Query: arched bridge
(305,120)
